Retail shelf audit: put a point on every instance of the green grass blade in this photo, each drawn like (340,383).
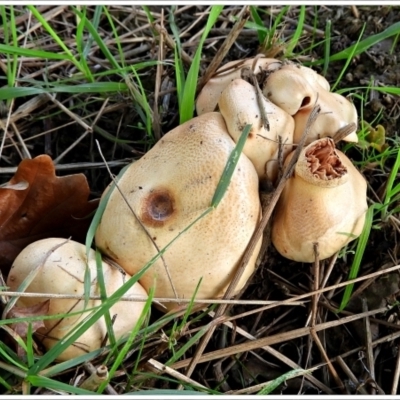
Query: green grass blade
(297,34)
(47,383)
(230,167)
(327,48)
(390,191)
(20,51)
(262,33)
(80,47)
(268,389)
(363,45)
(189,91)
(54,35)
(127,346)
(96,22)
(361,246)
(103,295)
(103,47)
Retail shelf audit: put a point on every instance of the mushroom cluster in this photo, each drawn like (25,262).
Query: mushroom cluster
(161,195)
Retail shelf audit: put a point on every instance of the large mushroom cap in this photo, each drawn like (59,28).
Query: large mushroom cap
(168,188)
(239,106)
(324,202)
(60,270)
(208,97)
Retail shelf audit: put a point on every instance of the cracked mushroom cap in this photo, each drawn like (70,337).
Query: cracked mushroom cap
(168,188)
(336,113)
(323,202)
(207,99)
(60,266)
(239,106)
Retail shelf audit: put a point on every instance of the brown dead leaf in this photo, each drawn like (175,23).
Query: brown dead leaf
(37,310)
(50,206)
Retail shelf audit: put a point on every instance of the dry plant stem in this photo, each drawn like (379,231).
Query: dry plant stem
(266,214)
(97,377)
(281,358)
(87,131)
(159,367)
(351,376)
(343,132)
(171,43)
(396,376)
(332,370)
(368,344)
(274,339)
(243,17)
(159,72)
(137,219)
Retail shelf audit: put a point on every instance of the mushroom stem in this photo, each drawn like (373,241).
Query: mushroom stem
(323,202)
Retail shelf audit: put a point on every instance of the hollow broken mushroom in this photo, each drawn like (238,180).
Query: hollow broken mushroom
(167,189)
(323,202)
(272,129)
(60,269)
(208,97)
(306,88)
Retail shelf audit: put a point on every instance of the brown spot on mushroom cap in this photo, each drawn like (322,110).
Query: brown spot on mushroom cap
(157,207)
(319,208)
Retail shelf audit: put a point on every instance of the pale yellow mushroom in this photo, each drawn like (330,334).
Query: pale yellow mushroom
(239,106)
(208,97)
(336,112)
(60,266)
(168,188)
(324,202)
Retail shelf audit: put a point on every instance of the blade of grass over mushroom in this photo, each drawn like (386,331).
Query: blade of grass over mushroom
(189,90)
(103,294)
(297,34)
(230,167)
(29,346)
(127,346)
(361,246)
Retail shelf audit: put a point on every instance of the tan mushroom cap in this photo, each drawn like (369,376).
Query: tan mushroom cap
(324,202)
(336,113)
(208,97)
(168,188)
(62,271)
(239,106)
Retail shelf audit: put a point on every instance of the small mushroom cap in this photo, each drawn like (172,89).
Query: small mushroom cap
(208,97)
(323,202)
(168,188)
(336,113)
(289,90)
(239,106)
(60,270)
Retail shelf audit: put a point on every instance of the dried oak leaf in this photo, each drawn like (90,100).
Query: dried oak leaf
(37,310)
(50,206)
